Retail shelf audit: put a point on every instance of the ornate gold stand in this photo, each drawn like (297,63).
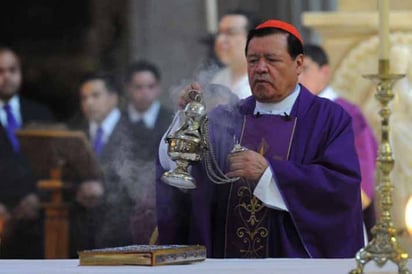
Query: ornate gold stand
(384,245)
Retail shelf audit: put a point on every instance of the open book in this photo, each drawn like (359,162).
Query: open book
(143,255)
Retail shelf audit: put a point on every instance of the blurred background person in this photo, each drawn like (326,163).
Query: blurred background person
(316,77)
(229,48)
(149,120)
(21,222)
(100,215)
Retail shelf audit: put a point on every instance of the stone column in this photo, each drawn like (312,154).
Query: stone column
(169,34)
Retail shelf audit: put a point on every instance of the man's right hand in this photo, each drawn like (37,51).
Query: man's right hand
(247,164)
(90,193)
(183,94)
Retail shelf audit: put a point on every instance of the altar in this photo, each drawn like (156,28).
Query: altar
(210,266)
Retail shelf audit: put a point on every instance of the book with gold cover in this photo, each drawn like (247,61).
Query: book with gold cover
(143,255)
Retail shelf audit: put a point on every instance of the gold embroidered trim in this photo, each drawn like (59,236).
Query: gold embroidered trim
(252,233)
(231,186)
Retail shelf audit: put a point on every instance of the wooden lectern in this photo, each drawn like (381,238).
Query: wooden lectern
(59,157)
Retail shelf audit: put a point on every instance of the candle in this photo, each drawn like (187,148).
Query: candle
(383,29)
(211,16)
(408,215)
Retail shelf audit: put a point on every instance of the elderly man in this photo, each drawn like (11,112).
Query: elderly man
(299,188)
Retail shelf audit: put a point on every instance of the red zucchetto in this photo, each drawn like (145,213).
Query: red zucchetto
(283,26)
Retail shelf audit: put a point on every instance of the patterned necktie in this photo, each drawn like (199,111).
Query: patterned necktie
(12,126)
(98,141)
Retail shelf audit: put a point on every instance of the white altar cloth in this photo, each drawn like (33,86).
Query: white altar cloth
(210,266)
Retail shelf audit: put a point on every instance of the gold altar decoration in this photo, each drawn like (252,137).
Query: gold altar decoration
(384,244)
(363,59)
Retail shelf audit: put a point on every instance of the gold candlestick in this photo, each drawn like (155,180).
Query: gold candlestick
(384,246)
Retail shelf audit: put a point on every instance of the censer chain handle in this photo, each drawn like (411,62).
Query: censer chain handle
(213,171)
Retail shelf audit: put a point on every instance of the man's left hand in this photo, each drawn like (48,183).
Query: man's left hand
(247,164)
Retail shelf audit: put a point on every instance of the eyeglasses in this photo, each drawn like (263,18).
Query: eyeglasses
(231,32)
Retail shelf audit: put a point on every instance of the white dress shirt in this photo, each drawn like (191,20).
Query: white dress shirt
(329,93)
(14,103)
(108,125)
(241,88)
(149,116)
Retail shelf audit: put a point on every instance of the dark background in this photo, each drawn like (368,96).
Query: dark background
(59,41)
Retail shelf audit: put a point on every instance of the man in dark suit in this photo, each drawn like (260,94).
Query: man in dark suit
(102,208)
(20,220)
(149,119)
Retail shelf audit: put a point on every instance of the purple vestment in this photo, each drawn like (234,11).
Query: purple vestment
(366,146)
(367,149)
(320,184)
(250,226)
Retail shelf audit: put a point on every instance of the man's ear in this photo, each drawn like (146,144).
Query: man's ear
(326,71)
(299,63)
(115,98)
